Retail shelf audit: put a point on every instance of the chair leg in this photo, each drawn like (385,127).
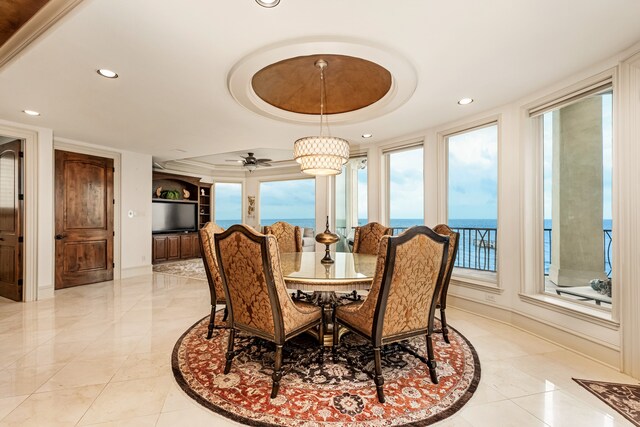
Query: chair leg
(431,361)
(378,378)
(321,328)
(334,345)
(226,313)
(275,377)
(445,330)
(230,353)
(211,322)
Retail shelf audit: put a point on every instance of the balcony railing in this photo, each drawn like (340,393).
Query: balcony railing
(477,248)
(607,240)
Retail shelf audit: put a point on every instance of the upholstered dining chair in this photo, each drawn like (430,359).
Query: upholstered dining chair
(257,297)
(289,236)
(403,296)
(454,240)
(367,237)
(208,251)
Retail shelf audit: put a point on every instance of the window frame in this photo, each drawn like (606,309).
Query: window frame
(243,203)
(283,179)
(487,281)
(532,289)
(385,152)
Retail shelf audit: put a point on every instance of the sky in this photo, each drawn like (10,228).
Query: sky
(406,193)
(473,174)
(228,201)
(288,199)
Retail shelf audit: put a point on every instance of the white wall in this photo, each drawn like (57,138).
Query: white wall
(136,191)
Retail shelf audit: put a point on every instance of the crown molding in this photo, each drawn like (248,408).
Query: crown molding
(44,19)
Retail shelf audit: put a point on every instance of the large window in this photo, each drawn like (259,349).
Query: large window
(473,195)
(227,203)
(577,186)
(405,184)
(292,201)
(351,200)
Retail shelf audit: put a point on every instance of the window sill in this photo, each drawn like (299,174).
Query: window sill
(479,280)
(573,309)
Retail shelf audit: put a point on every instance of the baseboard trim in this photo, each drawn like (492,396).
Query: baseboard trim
(45,292)
(598,351)
(141,270)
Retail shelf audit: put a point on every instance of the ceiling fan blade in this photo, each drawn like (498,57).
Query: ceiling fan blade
(264,164)
(234,161)
(263,160)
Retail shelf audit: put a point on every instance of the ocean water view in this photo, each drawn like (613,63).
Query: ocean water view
(478,239)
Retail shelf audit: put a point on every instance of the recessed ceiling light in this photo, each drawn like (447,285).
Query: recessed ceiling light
(268,3)
(107,73)
(465,101)
(31,112)
(367,135)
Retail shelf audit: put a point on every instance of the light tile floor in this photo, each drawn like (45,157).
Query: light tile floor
(100,355)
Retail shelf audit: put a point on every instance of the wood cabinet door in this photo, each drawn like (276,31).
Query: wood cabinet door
(196,245)
(159,248)
(84,219)
(173,247)
(186,246)
(10,221)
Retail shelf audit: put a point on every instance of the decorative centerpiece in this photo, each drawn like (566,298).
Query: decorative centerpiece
(327,238)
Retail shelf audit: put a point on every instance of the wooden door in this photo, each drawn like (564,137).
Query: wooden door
(11,220)
(173,247)
(186,246)
(84,219)
(159,248)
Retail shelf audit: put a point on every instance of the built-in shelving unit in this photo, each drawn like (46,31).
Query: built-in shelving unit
(204,208)
(173,246)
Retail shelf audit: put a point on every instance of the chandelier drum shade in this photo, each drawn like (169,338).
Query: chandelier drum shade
(323,154)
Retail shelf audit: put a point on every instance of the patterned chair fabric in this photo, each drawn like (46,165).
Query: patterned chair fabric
(289,237)
(257,297)
(208,251)
(454,239)
(403,295)
(367,238)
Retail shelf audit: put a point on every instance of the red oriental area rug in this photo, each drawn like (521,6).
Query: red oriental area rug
(624,398)
(317,389)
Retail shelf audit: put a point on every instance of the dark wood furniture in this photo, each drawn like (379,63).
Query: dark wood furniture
(403,296)
(454,239)
(181,245)
(257,298)
(175,246)
(84,219)
(216,289)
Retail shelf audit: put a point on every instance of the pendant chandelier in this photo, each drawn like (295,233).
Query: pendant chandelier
(324,154)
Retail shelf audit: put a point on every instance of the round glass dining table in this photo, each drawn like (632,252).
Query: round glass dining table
(349,272)
(318,283)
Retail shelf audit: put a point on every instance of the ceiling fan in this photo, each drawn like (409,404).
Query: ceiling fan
(251,163)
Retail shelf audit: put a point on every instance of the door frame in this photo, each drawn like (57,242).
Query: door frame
(30,213)
(76,147)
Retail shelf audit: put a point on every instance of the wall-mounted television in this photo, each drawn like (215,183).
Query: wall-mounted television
(174,216)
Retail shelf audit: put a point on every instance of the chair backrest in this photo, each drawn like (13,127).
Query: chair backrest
(208,250)
(409,273)
(454,240)
(289,237)
(366,239)
(257,298)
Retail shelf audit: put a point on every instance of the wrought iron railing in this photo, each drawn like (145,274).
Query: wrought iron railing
(606,241)
(477,247)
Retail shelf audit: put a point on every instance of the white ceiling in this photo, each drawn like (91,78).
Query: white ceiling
(174,57)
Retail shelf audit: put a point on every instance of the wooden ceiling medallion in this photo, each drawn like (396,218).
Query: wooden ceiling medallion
(294,85)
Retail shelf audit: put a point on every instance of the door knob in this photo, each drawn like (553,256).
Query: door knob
(59,237)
